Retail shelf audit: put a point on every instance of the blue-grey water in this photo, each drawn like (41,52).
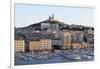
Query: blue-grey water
(57,57)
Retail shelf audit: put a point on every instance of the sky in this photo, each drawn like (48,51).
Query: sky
(26,14)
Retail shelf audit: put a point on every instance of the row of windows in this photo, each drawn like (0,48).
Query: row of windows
(19,48)
(40,46)
(45,45)
(19,45)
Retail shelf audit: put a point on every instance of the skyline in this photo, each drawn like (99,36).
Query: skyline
(29,14)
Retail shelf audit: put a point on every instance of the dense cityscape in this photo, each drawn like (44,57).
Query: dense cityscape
(53,41)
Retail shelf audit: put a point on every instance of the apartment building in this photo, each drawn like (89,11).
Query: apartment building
(66,39)
(39,46)
(34,45)
(77,36)
(45,44)
(19,46)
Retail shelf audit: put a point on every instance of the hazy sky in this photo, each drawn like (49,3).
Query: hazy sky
(30,14)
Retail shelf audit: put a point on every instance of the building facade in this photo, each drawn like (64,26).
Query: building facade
(45,44)
(19,46)
(34,45)
(85,45)
(76,45)
(66,40)
(45,26)
(56,43)
(77,36)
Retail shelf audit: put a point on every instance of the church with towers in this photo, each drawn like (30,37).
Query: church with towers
(51,18)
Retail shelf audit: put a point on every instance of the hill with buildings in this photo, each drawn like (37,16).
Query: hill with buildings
(51,23)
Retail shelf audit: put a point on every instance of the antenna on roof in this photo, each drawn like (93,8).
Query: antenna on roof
(53,16)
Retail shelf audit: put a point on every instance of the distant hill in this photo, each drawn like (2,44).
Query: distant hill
(62,26)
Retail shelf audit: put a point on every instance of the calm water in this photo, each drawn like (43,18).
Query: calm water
(58,57)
